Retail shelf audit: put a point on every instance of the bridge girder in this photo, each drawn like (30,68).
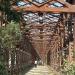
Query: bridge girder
(67,8)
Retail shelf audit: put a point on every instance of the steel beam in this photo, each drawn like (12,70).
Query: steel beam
(34,8)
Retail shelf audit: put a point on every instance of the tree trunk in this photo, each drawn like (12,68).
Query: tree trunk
(12,62)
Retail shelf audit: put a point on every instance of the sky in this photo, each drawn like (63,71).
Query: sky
(40,1)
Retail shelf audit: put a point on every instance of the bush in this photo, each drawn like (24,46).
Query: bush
(9,36)
(69,68)
(3,70)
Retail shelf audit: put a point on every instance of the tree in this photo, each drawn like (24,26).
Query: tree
(9,36)
(3,70)
(6,13)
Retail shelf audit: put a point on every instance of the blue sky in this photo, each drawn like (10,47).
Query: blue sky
(40,1)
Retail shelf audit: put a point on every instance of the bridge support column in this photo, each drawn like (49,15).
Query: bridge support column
(74,34)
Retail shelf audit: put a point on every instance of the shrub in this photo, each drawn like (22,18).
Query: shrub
(69,68)
(3,70)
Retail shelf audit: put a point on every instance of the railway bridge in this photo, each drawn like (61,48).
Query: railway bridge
(50,34)
(50,28)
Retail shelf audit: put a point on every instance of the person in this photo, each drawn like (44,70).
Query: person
(35,63)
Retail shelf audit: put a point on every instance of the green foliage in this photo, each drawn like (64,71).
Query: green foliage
(69,68)
(10,35)
(5,6)
(3,70)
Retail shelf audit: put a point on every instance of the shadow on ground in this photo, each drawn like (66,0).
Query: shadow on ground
(26,69)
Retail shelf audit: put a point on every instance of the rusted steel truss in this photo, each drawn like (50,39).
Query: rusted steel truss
(46,23)
(48,6)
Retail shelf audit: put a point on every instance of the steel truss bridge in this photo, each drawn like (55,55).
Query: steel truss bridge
(50,28)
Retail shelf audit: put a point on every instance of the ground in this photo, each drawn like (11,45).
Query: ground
(41,70)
